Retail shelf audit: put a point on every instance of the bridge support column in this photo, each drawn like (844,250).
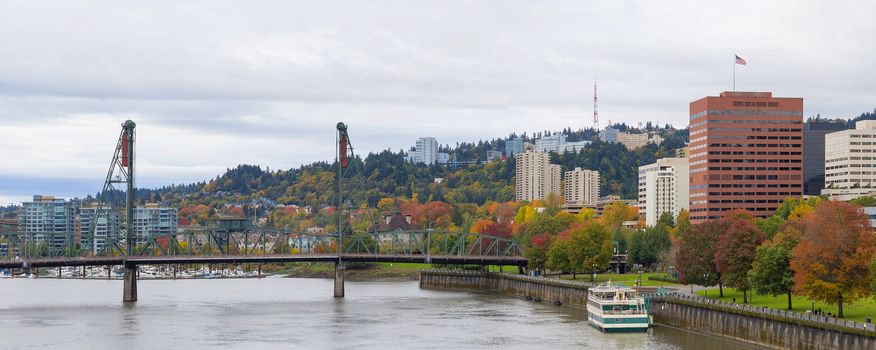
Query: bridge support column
(130,292)
(339,280)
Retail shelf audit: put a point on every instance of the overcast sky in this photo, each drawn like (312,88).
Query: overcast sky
(214,84)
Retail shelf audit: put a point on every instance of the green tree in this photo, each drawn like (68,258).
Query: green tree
(650,246)
(771,271)
(558,257)
(864,201)
(620,241)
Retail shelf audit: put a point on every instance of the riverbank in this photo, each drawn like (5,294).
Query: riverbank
(748,324)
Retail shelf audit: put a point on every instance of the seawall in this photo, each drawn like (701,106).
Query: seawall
(568,293)
(764,327)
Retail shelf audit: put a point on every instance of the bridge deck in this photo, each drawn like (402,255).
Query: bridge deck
(255,259)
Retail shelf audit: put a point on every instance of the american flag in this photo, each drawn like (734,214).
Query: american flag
(739,60)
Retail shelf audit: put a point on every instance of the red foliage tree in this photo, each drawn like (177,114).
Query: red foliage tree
(736,249)
(832,262)
(696,254)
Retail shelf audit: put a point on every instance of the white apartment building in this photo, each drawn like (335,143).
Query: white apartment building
(850,162)
(535,176)
(664,187)
(581,187)
(153,220)
(426,151)
(52,219)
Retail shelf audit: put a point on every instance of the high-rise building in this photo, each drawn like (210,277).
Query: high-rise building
(425,151)
(746,152)
(813,148)
(153,220)
(581,187)
(850,161)
(513,146)
(53,219)
(535,176)
(663,188)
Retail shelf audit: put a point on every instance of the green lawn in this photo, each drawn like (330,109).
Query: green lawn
(628,279)
(858,311)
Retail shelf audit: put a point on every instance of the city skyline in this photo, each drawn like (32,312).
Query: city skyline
(213,87)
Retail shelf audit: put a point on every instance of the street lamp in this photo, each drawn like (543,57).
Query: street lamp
(593,274)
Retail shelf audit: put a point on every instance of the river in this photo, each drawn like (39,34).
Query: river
(288,313)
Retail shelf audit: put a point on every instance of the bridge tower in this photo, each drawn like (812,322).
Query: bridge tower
(342,162)
(121,171)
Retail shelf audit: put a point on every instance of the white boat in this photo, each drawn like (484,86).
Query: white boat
(617,308)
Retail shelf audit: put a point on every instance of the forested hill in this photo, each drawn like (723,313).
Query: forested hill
(387,174)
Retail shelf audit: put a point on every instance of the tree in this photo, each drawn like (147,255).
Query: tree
(537,251)
(615,214)
(620,241)
(589,246)
(558,256)
(832,261)
(771,271)
(696,255)
(649,246)
(864,201)
(736,249)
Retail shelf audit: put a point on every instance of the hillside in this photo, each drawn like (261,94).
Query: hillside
(386,174)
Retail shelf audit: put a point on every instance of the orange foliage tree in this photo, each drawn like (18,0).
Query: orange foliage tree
(832,262)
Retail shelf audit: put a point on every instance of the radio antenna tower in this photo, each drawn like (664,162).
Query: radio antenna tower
(595,106)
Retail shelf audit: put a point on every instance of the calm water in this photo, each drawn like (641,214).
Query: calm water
(298,313)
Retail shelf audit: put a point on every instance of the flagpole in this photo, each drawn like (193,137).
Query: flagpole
(734,73)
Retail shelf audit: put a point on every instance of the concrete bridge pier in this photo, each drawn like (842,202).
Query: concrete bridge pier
(130,291)
(339,280)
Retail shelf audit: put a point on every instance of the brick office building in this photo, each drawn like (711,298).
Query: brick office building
(746,152)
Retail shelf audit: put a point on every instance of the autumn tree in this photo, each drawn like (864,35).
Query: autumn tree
(696,255)
(589,246)
(615,214)
(832,261)
(437,214)
(736,249)
(537,250)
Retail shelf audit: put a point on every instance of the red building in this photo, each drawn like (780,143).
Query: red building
(746,152)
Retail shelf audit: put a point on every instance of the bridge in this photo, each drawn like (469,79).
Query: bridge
(26,250)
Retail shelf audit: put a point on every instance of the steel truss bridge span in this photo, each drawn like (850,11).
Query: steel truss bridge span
(263,259)
(35,246)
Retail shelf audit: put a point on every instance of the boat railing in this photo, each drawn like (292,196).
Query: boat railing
(624,312)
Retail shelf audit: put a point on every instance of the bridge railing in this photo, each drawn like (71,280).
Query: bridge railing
(757,311)
(34,245)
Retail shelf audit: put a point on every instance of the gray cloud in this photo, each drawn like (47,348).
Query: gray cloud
(216,83)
